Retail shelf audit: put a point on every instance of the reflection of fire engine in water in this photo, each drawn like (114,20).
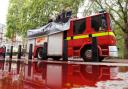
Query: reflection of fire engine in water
(58,76)
(75,40)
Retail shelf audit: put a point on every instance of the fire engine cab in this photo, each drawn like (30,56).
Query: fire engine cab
(74,38)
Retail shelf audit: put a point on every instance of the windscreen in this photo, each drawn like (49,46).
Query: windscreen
(99,22)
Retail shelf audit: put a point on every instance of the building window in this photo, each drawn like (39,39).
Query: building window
(79,26)
(99,22)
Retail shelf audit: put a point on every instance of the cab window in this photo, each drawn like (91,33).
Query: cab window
(99,22)
(79,26)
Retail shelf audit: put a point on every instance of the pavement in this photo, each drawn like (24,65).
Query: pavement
(116,60)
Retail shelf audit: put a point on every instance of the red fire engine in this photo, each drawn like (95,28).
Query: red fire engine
(74,38)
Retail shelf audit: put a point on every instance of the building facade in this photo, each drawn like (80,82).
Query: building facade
(9,42)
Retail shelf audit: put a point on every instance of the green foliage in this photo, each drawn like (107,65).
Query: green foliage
(120,41)
(28,14)
(118,10)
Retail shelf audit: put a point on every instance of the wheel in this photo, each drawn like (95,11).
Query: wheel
(39,53)
(87,55)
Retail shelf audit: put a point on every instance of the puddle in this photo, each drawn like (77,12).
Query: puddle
(48,75)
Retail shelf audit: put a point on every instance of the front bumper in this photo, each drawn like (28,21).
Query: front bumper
(113,51)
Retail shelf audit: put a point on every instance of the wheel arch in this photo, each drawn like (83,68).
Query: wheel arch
(36,51)
(86,46)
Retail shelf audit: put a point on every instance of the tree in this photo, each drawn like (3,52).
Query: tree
(29,14)
(118,10)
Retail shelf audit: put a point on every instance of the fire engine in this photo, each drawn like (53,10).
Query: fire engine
(74,38)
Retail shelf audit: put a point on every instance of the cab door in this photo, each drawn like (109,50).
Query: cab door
(79,28)
(99,28)
(79,35)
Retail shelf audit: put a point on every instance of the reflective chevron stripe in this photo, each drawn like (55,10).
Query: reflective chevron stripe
(93,35)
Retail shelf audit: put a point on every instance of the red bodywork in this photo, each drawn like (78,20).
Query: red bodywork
(76,45)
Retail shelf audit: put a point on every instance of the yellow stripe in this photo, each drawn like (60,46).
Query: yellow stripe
(93,35)
(112,34)
(103,34)
(68,38)
(80,37)
(100,34)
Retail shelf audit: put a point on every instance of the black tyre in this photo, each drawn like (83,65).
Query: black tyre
(87,55)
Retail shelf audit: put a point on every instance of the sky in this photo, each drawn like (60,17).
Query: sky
(84,6)
(81,10)
(3,11)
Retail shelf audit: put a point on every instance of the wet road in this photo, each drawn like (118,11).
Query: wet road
(63,75)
